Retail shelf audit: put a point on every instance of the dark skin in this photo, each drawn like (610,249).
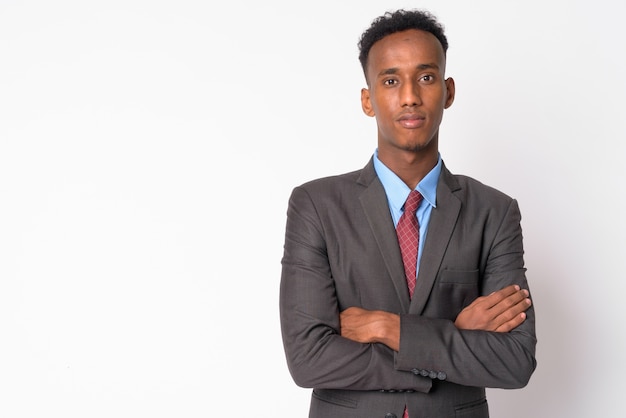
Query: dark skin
(407,94)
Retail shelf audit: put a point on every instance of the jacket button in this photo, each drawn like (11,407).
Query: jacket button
(424,373)
(390,415)
(442,375)
(432,375)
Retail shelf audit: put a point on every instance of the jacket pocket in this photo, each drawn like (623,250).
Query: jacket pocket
(332,397)
(459,277)
(455,289)
(474,409)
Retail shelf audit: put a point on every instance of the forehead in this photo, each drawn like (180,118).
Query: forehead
(407,48)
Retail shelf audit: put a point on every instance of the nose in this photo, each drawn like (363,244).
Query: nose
(410,94)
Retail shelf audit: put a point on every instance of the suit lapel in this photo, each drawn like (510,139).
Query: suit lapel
(374,202)
(442,222)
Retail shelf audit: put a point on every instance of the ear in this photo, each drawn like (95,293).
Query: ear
(451,89)
(366,103)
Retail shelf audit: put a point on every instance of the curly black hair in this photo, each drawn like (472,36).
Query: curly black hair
(398,21)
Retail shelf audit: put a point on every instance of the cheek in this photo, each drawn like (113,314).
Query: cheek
(383,109)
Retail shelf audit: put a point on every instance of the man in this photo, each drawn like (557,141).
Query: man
(355,329)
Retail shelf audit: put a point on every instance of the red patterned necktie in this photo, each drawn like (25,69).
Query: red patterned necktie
(408,231)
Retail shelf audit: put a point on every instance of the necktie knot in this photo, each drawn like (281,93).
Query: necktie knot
(412,202)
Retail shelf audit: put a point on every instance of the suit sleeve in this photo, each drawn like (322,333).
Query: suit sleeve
(317,356)
(435,347)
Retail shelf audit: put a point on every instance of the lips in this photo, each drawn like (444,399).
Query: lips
(411,120)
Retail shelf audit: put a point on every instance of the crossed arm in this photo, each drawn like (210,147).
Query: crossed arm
(501,311)
(490,343)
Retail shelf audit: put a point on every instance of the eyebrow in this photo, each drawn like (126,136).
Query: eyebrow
(421,67)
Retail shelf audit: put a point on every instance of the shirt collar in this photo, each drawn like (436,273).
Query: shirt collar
(397,191)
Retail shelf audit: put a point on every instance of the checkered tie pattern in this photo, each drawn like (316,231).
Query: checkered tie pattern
(408,231)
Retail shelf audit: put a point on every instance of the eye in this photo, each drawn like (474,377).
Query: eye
(428,78)
(390,82)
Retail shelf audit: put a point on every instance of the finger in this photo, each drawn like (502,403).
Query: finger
(489,301)
(510,325)
(513,316)
(509,302)
(498,296)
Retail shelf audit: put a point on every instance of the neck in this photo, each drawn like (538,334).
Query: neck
(411,167)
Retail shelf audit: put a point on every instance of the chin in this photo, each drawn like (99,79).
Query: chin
(416,146)
(419,144)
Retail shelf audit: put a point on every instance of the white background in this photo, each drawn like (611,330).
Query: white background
(147,147)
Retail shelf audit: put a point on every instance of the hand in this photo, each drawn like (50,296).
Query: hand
(363,326)
(500,311)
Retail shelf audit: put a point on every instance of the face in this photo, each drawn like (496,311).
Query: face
(407,91)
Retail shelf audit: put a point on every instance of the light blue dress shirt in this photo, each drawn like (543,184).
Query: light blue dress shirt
(397,191)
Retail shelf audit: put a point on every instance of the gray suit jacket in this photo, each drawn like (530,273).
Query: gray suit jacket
(341,250)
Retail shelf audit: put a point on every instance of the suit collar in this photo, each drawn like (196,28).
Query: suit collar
(374,202)
(368,174)
(443,219)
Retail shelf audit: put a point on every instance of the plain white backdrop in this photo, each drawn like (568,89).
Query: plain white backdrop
(148,149)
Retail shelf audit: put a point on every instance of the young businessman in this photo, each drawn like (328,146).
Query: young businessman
(381,325)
